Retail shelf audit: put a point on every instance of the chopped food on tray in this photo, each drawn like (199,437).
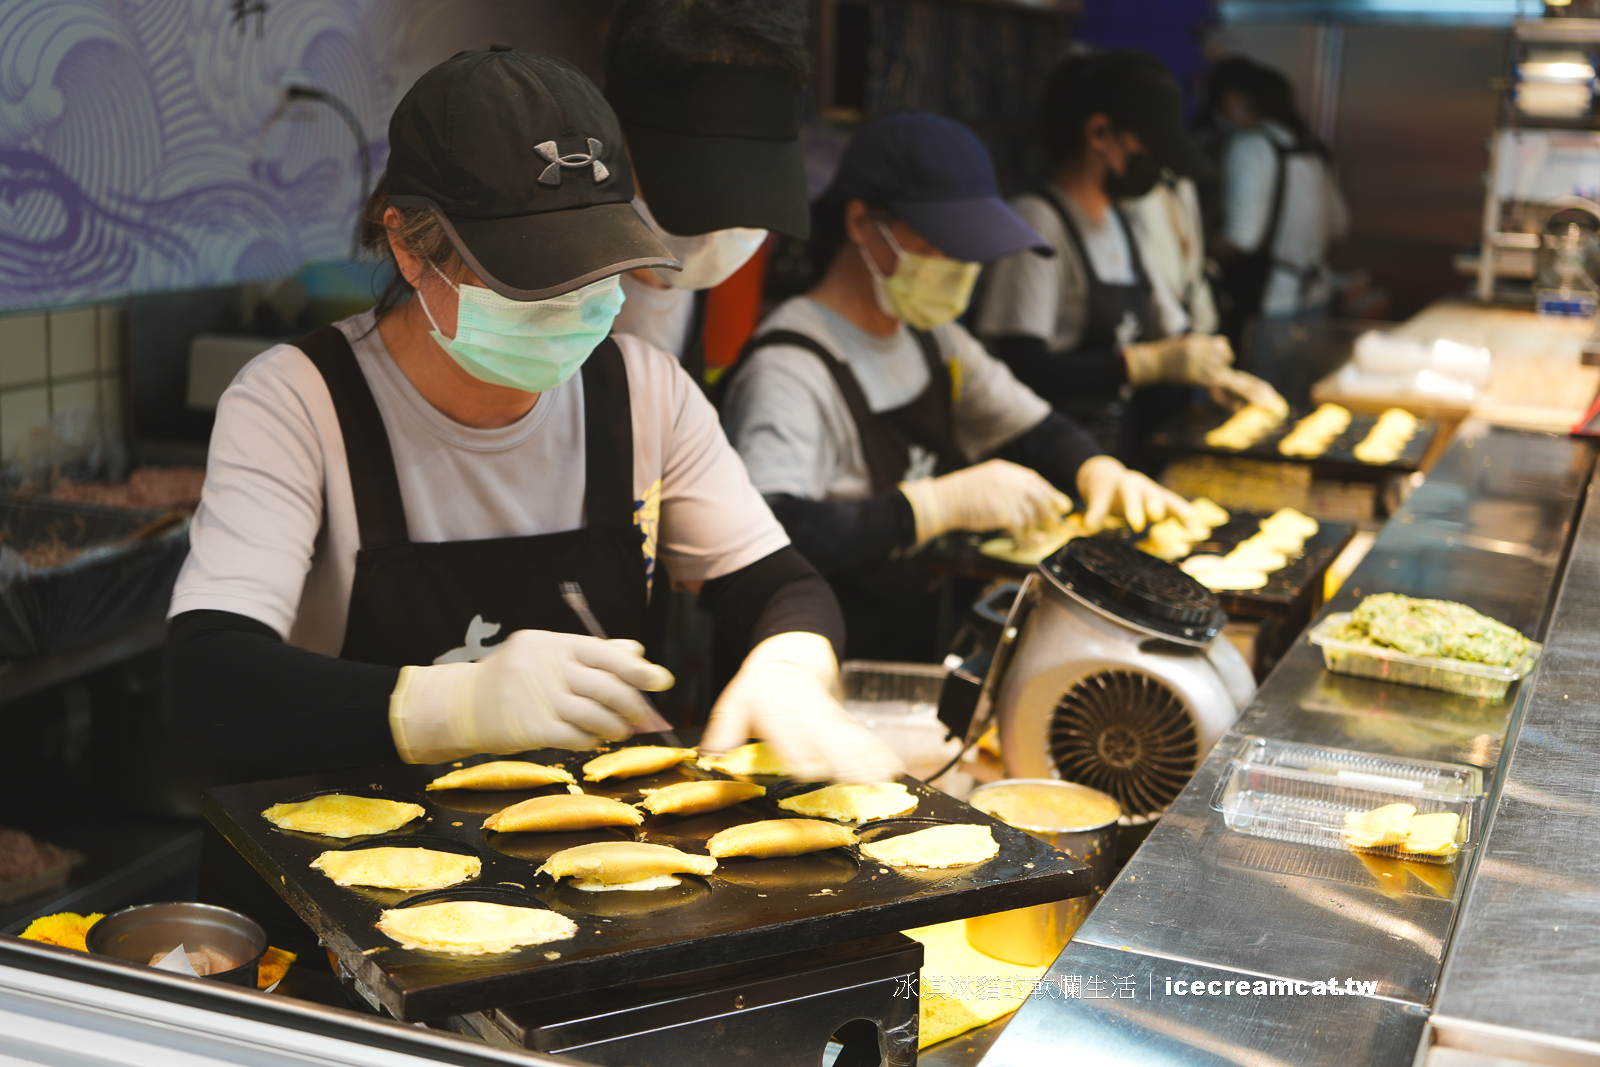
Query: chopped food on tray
(398,868)
(1388,437)
(29,867)
(1246,426)
(337,815)
(1436,628)
(756,758)
(634,865)
(956,845)
(564,811)
(1313,434)
(854,803)
(147,489)
(474,927)
(772,838)
(501,775)
(634,762)
(697,798)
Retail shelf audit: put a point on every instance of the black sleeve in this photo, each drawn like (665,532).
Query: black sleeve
(836,535)
(1056,448)
(1061,377)
(248,698)
(778,594)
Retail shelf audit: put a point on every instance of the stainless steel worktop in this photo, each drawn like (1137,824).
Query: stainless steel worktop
(1520,977)
(1198,902)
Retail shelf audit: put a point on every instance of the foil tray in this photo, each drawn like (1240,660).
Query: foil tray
(746,909)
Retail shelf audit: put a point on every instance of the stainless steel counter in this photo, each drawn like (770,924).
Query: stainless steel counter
(1198,902)
(1520,978)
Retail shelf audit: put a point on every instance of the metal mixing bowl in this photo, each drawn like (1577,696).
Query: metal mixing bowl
(138,933)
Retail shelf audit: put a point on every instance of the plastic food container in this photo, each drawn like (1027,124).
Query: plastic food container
(1308,808)
(1395,774)
(1431,672)
(899,702)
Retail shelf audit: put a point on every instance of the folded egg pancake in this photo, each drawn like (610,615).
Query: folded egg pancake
(1433,834)
(474,927)
(959,845)
(1231,579)
(503,775)
(634,762)
(564,811)
(1256,557)
(1292,521)
(772,838)
(337,815)
(755,758)
(1208,512)
(1246,426)
(625,864)
(1278,539)
(854,803)
(1380,827)
(398,868)
(697,798)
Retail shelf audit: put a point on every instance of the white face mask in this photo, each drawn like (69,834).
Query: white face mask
(708,259)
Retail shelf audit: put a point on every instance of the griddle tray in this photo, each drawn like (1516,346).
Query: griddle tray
(1187,434)
(747,909)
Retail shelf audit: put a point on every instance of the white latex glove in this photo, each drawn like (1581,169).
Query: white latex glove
(993,495)
(1251,390)
(1188,359)
(784,694)
(1108,487)
(538,689)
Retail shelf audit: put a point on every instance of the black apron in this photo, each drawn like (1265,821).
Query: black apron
(892,607)
(412,603)
(1121,427)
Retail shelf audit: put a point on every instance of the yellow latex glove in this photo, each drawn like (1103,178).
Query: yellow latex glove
(1109,488)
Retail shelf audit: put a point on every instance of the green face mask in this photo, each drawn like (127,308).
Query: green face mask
(924,291)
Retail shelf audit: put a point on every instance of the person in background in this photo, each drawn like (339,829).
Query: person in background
(872,422)
(1084,324)
(1280,210)
(708,93)
(1170,231)
(393,503)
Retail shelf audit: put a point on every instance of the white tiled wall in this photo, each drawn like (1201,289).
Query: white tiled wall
(60,376)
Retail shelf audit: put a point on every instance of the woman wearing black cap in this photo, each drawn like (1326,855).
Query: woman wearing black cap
(862,407)
(393,503)
(1083,324)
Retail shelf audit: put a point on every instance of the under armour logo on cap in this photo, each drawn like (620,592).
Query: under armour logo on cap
(552,174)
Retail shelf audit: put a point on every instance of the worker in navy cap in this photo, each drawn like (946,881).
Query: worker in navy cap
(872,422)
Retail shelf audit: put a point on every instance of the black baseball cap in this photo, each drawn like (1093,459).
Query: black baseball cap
(717,147)
(937,176)
(1138,94)
(520,158)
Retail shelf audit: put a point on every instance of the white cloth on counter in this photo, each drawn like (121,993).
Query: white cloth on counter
(275,537)
(658,316)
(1313,214)
(1166,222)
(1030,295)
(790,424)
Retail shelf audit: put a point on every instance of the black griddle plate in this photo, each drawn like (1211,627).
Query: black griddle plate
(746,909)
(1285,590)
(1187,434)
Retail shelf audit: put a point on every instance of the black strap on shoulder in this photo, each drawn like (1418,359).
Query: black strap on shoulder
(607,438)
(380,511)
(1269,235)
(886,457)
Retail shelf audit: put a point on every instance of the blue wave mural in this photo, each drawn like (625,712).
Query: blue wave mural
(144,144)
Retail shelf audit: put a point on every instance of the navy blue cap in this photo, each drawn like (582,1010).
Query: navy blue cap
(937,176)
